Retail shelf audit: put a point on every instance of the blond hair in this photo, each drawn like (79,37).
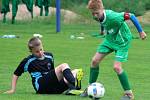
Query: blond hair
(34,42)
(95,5)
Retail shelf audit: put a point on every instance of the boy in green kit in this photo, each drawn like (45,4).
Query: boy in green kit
(45,3)
(15,3)
(117,39)
(5,9)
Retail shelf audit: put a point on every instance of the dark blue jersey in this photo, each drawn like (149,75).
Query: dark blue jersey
(36,67)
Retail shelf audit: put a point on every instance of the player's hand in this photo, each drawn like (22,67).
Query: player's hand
(142,35)
(9,91)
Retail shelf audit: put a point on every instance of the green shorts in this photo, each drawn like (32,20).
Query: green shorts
(121,53)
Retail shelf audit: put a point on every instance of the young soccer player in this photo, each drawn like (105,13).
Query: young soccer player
(41,3)
(6,8)
(117,39)
(45,78)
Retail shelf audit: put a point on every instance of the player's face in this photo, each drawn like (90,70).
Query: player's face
(38,52)
(97,14)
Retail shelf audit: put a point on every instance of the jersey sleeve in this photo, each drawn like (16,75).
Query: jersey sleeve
(20,69)
(134,20)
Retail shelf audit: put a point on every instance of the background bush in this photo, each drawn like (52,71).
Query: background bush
(134,6)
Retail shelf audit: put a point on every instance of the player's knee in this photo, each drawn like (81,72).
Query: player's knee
(95,62)
(64,66)
(117,68)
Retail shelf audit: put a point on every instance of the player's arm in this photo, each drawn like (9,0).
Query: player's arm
(102,30)
(134,20)
(13,85)
(17,73)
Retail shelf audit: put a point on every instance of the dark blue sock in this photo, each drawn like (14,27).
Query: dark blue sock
(69,77)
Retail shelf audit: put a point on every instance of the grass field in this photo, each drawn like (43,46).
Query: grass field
(77,53)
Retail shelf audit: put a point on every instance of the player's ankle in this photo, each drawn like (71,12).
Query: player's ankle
(129,93)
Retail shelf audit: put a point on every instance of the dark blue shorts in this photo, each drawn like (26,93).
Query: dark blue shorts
(49,84)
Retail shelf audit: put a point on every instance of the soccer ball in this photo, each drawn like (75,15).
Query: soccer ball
(96,90)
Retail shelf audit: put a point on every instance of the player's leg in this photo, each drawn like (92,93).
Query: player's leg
(41,11)
(78,74)
(4,18)
(121,56)
(49,84)
(5,9)
(29,5)
(14,9)
(53,81)
(102,51)
(39,3)
(94,69)
(122,76)
(46,10)
(63,71)
(46,4)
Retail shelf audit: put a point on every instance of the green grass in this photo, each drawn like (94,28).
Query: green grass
(77,53)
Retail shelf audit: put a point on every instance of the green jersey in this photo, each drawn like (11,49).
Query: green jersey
(117,32)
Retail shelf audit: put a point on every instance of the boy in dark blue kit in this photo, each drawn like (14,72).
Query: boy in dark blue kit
(45,78)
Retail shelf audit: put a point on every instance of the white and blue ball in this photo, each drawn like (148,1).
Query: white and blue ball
(96,90)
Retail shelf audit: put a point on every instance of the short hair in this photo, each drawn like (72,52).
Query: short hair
(95,5)
(34,42)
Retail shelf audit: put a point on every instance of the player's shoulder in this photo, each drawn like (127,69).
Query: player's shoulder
(26,59)
(111,12)
(48,53)
(29,57)
(108,11)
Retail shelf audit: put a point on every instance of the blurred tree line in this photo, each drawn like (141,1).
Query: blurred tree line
(135,6)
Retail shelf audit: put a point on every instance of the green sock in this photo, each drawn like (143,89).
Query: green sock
(31,14)
(4,18)
(13,20)
(41,11)
(124,81)
(46,11)
(94,74)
